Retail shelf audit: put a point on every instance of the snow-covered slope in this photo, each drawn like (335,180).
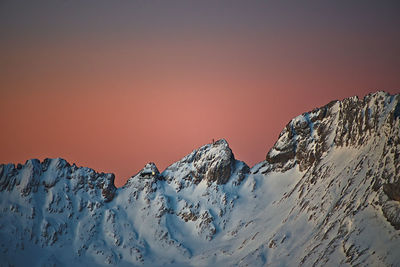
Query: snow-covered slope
(328,193)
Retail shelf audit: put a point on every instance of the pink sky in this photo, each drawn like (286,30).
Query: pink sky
(110,95)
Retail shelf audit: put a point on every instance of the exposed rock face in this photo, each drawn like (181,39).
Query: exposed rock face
(391,210)
(212,162)
(304,139)
(108,187)
(360,119)
(354,121)
(348,123)
(392,190)
(328,194)
(29,177)
(390,202)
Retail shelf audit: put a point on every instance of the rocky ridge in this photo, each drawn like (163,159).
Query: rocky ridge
(327,193)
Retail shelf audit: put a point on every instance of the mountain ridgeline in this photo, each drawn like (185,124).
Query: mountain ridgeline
(327,193)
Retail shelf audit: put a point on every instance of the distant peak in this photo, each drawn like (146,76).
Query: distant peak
(149,169)
(53,174)
(352,121)
(222,142)
(377,94)
(213,162)
(149,172)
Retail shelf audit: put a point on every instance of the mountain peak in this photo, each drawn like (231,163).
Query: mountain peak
(221,142)
(57,172)
(148,173)
(213,162)
(349,122)
(328,193)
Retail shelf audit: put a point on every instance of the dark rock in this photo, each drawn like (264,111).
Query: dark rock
(391,211)
(243,171)
(396,111)
(215,162)
(283,157)
(392,190)
(108,191)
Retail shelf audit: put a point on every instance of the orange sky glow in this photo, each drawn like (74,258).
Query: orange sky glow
(115,98)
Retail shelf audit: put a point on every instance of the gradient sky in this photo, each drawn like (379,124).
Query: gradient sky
(113,85)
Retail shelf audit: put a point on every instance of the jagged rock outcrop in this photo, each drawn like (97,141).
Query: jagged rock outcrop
(149,173)
(354,120)
(390,202)
(28,178)
(304,139)
(392,190)
(328,193)
(212,163)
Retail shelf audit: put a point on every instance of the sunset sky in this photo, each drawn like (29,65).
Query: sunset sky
(113,85)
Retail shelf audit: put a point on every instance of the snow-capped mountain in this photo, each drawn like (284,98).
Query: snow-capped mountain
(328,193)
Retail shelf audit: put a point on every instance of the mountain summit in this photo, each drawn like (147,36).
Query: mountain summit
(327,193)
